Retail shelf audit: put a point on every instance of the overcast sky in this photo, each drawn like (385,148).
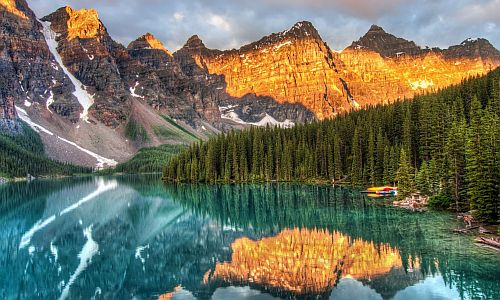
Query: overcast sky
(226,24)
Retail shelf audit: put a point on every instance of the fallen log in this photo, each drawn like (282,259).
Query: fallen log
(465,230)
(485,230)
(493,242)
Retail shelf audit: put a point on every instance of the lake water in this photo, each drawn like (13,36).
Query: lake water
(134,238)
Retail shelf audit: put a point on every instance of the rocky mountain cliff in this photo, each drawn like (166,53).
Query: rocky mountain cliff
(93,99)
(8,116)
(34,83)
(293,66)
(389,68)
(474,49)
(90,54)
(145,71)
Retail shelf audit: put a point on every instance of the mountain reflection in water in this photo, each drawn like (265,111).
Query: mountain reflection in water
(304,261)
(131,237)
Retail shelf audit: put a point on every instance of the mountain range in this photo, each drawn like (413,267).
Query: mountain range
(96,102)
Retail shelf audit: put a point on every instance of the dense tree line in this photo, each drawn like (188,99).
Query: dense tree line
(445,144)
(23,153)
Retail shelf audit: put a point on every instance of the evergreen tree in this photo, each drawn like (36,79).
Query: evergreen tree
(387,177)
(356,174)
(380,157)
(422,179)
(455,154)
(405,175)
(337,157)
(371,169)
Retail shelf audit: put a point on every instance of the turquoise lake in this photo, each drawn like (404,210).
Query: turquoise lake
(132,237)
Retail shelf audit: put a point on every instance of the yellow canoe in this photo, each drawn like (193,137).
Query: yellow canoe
(382,188)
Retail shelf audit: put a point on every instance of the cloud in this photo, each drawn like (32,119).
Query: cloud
(369,9)
(226,24)
(480,11)
(178,16)
(218,22)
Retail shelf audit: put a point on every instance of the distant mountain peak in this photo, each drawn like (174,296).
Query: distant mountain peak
(376,28)
(147,41)
(469,40)
(386,44)
(473,48)
(82,15)
(194,43)
(299,31)
(480,42)
(302,28)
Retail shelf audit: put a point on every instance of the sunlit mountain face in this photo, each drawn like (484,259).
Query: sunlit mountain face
(297,66)
(304,261)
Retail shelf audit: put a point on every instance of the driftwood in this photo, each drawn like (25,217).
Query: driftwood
(484,230)
(493,242)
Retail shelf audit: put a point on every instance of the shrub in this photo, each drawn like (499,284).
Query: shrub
(440,201)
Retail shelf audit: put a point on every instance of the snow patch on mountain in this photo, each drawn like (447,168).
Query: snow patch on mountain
(101,161)
(84,98)
(422,84)
(469,40)
(23,115)
(277,47)
(132,91)
(49,101)
(269,120)
(228,113)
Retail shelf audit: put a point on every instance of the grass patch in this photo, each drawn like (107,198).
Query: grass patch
(164,132)
(136,131)
(147,160)
(184,130)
